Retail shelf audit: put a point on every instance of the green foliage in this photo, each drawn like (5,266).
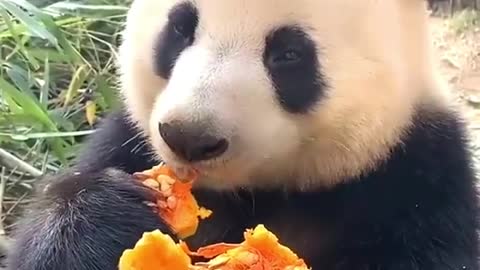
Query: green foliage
(55,60)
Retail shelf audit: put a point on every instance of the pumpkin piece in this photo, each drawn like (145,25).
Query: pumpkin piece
(214,250)
(175,204)
(266,243)
(152,183)
(260,250)
(184,216)
(155,251)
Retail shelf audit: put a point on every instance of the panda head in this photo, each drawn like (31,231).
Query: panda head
(264,93)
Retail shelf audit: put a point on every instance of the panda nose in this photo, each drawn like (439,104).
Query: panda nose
(191,142)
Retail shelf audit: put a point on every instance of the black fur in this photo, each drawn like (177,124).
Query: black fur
(419,210)
(178,34)
(91,210)
(117,144)
(290,58)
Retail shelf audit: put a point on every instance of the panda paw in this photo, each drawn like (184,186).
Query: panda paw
(84,222)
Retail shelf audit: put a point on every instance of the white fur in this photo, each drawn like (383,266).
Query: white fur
(375,55)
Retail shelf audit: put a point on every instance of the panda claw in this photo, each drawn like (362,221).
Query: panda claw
(141,176)
(162,204)
(172,202)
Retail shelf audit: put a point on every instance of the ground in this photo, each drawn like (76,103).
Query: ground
(458,52)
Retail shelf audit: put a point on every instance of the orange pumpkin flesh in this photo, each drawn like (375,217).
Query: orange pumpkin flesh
(260,250)
(152,250)
(175,203)
(177,207)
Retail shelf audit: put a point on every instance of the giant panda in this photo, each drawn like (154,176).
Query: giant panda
(323,120)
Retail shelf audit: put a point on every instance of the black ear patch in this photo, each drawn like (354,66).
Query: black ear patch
(178,34)
(290,58)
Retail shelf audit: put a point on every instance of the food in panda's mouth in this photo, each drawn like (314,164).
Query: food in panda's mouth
(175,202)
(260,250)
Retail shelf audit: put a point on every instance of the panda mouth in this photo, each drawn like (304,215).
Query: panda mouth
(209,167)
(203,168)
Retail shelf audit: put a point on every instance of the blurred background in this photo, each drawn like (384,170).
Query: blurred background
(57,64)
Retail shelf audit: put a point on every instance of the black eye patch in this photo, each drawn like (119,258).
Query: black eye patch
(178,34)
(290,58)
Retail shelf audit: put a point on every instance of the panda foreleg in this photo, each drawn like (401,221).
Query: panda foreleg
(83,222)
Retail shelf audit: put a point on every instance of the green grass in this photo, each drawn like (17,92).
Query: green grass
(57,65)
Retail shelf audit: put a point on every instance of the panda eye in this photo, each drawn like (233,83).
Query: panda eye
(291,60)
(177,35)
(183,21)
(179,30)
(286,47)
(185,30)
(289,57)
